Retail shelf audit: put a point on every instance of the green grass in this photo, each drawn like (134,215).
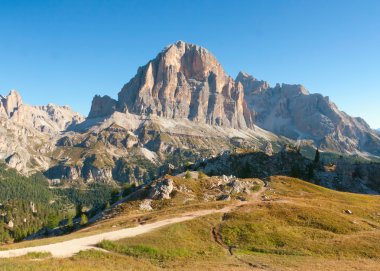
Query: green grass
(84,261)
(180,242)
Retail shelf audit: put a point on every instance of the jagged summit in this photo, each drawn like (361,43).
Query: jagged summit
(181,45)
(51,117)
(10,103)
(251,84)
(184,81)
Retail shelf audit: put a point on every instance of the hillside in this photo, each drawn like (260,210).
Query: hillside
(293,226)
(25,204)
(30,206)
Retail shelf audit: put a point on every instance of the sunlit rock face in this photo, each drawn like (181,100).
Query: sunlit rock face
(291,111)
(28,132)
(184,81)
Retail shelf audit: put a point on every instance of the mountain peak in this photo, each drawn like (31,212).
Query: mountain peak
(10,103)
(182,45)
(243,74)
(186,81)
(250,83)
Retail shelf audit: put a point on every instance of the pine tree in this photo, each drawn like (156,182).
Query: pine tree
(115,195)
(78,210)
(317,156)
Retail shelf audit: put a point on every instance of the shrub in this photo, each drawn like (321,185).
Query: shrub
(70,222)
(188,175)
(53,221)
(83,220)
(201,174)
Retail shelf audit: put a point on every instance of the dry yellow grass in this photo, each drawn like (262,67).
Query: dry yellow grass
(302,227)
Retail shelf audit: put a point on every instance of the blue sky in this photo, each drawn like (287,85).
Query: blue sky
(65,52)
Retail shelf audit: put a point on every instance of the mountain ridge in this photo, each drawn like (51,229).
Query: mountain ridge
(179,108)
(288,110)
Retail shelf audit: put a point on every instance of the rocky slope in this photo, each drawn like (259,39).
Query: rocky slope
(134,148)
(291,111)
(122,146)
(29,132)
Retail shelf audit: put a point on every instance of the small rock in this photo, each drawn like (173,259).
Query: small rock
(145,205)
(161,190)
(349,212)
(224,198)
(11,224)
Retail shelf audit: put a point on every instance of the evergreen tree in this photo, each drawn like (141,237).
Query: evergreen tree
(53,221)
(246,171)
(127,189)
(115,195)
(310,172)
(317,156)
(78,210)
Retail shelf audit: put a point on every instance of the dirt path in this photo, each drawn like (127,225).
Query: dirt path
(71,247)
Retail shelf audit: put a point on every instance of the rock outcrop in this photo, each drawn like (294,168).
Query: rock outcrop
(10,103)
(102,106)
(161,190)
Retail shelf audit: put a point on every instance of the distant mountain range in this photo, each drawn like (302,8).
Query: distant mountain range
(180,107)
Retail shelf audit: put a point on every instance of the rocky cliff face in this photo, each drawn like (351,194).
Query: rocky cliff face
(291,111)
(183,81)
(102,107)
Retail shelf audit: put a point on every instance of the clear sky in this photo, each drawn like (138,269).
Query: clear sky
(65,52)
